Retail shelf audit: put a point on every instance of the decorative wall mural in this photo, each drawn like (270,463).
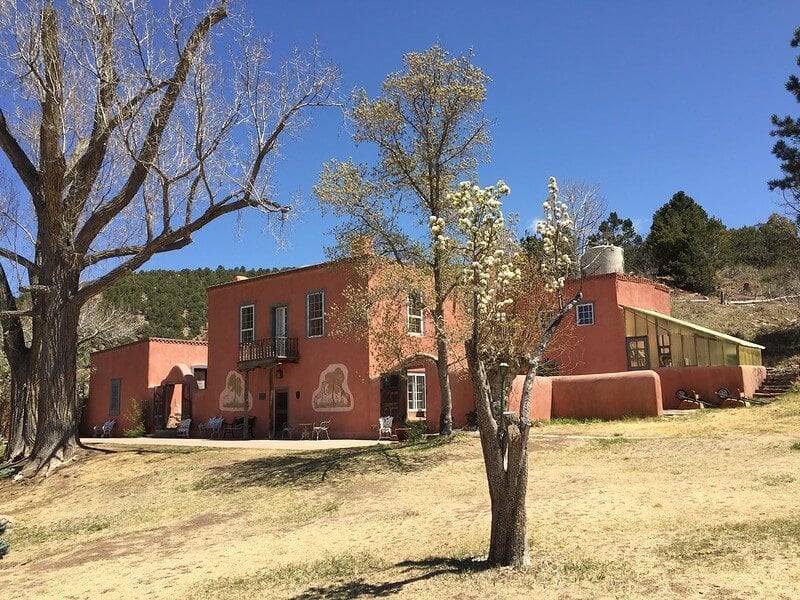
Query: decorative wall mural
(232,397)
(333,393)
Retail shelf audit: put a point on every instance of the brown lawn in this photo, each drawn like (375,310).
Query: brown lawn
(702,506)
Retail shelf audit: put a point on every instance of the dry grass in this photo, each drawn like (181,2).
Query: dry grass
(704,505)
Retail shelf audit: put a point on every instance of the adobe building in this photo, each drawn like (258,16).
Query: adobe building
(620,352)
(164,375)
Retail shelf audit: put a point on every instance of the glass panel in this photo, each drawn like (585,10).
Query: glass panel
(717,357)
(630,323)
(316,314)
(731,355)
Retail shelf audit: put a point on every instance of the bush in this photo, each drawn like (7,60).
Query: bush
(417,430)
(4,546)
(135,416)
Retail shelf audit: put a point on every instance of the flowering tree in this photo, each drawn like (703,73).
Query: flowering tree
(489,274)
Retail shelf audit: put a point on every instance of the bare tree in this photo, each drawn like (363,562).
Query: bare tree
(428,128)
(586,207)
(132,127)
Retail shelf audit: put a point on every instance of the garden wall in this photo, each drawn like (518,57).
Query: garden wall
(707,380)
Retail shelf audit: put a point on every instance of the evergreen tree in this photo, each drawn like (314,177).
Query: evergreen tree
(684,244)
(620,232)
(787,149)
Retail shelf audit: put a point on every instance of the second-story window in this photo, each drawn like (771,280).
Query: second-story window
(414,314)
(247,323)
(584,313)
(315,313)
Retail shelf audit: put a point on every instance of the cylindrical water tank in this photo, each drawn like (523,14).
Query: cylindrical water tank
(600,260)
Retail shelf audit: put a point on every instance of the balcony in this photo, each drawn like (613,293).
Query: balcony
(267,352)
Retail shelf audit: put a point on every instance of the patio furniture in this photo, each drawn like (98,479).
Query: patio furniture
(385,428)
(238,425)
(105,429)
(183,428)
(321,428)
(305,430)
(213,425)
(286,433)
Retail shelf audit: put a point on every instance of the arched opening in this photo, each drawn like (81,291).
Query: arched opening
(172,400)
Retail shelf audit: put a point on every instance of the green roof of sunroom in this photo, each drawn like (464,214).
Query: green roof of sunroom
(694,327)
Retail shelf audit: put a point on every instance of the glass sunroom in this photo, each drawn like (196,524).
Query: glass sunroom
(654,340)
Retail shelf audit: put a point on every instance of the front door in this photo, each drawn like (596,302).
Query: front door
(186,401)
(393,397)
(280,415)
(280,326)
(159,412)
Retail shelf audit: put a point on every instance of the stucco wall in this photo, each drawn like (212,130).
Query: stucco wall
(541,397)
(707,380)
(128,363)
(141,366)
(316,354)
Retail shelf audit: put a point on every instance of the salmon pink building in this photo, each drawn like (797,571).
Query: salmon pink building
(271,354)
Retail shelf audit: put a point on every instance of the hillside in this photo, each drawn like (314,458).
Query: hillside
(172,303)
(771,323)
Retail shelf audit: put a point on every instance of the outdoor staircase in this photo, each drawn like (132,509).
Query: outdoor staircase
(777,383)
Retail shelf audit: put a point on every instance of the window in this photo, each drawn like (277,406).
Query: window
(638,353)
(664,351)
(116,394)
(247,323)
(585,313)
(200,376)
(414,317)
(315,314)
(416,392)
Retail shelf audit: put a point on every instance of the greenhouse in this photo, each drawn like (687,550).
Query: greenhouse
(654,340)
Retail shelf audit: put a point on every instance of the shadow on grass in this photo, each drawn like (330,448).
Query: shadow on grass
(412,571)
(311,468)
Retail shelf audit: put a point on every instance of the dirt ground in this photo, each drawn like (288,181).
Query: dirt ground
(700,506)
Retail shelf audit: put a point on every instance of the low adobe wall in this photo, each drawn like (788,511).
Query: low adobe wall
(707,380)
(607,396)
(541,396)
(602,396)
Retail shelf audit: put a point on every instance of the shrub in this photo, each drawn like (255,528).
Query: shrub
(135,416)
(417,430)
(4,545)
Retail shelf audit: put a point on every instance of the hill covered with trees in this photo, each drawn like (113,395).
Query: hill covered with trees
(172,303)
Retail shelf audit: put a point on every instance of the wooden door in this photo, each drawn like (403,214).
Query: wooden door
(159,409)
(393,397)
(280,413)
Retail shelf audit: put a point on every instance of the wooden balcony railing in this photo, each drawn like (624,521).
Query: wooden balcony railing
(268,350)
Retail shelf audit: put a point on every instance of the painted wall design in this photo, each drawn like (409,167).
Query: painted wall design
(333,394)
(232,397)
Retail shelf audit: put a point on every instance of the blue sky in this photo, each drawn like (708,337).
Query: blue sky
(642,98)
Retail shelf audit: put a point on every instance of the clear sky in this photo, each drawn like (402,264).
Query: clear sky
(642,98)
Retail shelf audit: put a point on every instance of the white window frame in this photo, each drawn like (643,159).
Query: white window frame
(242,328)
(310,319)
(113,410)
(416,392)
(418,319)
(578,314)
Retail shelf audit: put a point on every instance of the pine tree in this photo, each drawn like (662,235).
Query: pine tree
(684,244)
(787,149)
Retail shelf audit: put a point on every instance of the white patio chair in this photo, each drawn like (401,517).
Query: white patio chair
(183,428)
(321,428)
(385,427)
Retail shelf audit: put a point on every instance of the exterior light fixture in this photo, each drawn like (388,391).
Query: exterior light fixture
(279,374)
(297,394)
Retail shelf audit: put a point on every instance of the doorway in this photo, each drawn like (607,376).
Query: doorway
(280,412)
(393,397)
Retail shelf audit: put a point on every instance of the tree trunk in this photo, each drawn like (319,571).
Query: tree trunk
(22,427)
(55,343)
(505,456)
(446,415)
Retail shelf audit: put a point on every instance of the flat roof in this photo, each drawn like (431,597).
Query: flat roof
(154,339)
(699,328)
